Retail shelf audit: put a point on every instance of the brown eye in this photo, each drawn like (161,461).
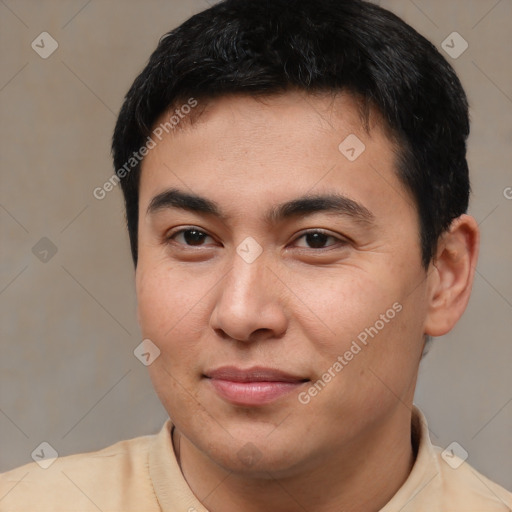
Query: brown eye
(191,237)
(318,240)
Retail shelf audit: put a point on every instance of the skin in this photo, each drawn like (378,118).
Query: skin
(295,308)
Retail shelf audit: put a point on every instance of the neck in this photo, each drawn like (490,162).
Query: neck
(361,478)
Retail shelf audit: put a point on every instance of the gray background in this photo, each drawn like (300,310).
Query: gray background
(68,375)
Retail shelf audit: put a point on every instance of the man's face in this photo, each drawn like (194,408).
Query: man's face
(336,297)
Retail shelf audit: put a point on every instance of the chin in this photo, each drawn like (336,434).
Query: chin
(257,460)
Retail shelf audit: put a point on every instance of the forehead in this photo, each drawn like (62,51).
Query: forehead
(309,109)
(282,145)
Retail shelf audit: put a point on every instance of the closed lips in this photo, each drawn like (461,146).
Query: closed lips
(254,374)
(252,387)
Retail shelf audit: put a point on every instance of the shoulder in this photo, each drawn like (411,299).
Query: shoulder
(441,480)
(464,486)
(82,481)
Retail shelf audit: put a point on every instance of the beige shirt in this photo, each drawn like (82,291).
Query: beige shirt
(142,475)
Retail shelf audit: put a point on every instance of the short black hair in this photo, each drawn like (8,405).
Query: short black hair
(265,47)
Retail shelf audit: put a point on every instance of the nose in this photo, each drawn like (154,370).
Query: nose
(250,303)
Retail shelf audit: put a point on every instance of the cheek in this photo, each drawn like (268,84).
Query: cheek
(172,314)
(374,323)
(167,299)
(342,304)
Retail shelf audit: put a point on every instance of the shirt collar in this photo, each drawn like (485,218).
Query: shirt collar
(173,493)
(421,484)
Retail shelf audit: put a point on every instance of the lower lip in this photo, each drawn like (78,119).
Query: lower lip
(253,393)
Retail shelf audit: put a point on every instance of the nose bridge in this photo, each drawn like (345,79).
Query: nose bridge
(249,301)
(244,282)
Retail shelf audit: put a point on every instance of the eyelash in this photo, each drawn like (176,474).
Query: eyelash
(170,238)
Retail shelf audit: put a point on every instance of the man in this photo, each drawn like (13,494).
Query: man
(295,183)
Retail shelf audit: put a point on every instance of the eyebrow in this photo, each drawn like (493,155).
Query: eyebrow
(305,205)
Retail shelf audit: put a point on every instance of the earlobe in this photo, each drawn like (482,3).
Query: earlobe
(451,275)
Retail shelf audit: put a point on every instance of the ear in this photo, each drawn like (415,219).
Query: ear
(451,274)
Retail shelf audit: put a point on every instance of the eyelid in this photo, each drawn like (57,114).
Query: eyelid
(340,239)
(169,235)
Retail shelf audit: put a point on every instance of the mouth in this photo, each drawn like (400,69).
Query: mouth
(252,386)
